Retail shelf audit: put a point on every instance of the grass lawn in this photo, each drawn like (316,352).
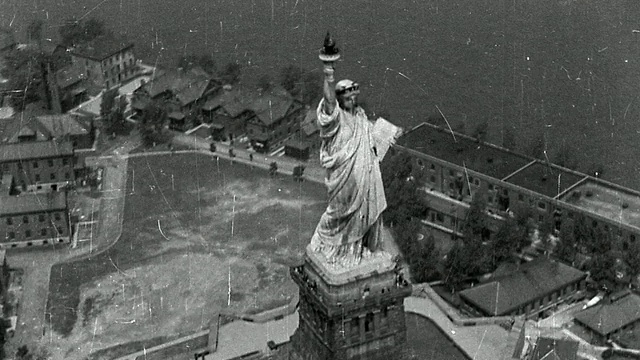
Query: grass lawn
(425,340)
(192,226)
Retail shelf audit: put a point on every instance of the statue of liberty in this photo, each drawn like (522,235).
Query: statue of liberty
(352,148)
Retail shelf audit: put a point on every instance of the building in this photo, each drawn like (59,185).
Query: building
(61,127)
(72,84)
(528,290)
(306,140)
(611,318)
(34,219)
(554,349)
(453,167)
(38,165)
(181,92)
(354,314)
(106,61)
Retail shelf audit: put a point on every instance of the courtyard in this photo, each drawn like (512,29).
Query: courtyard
(200,235)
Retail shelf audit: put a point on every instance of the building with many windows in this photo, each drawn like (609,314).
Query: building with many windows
(453,167)
(38,165)
(34,219)
(106,61)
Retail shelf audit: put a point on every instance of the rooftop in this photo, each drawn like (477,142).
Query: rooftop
(546,179)
(31,202)
(532,280)
(45,127)
(34,150)
(463,151)
(102,48)
(187,86)
(268,106)
(606,200)
(607,317)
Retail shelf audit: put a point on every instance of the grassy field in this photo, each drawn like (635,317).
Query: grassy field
(192,226)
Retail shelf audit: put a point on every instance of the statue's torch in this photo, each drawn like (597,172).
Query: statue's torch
(329,54)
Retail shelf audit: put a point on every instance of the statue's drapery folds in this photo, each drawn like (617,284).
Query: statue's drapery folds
(350,227)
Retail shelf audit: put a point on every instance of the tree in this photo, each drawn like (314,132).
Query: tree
(4,325)
(75,32)
(231,73)
(273,168)
(474,227)
(24,71)
(420,255)
(297,172)
(34,31)
(151,124)
(311,89)
(112,109)
(632,257)
(38,353)
(566,248)
(602,269)
(290,77)
(462,261)
(545,231)
(537,147)
(504,243)
(523,216)
(264,82)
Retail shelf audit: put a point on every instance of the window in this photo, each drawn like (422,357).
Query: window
(470,179)
(477,181)
(25,219)
(41,218)
(12,235)
(432,167)
(65,161)
(540,218)
(53,176)
(9,221)
(37,177)
(19,166)
(43,232)
(490,199)
(490,186)
(66,176)
(368,322)
(432,178)
(594,223)
(450,172)
(542,205)
(35,164)
(50,162)
(355,327)
(632,238)
(57,216)
(420,163)
(27,233)
(439,217)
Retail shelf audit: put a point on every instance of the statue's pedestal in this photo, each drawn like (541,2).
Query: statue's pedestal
(352,313)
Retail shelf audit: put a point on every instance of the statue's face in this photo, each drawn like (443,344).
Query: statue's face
(349,101)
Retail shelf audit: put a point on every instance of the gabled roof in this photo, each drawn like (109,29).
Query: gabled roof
(31,202)
(69,76)
(186,85)
(44,127)
(62,125)
(101,48)
(267,106)
(34,150)
(555,349)
(606,318)
(533,280)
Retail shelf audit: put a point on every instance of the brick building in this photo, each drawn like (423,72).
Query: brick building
(528,290)
(105,61)
(38,165)
(34,219)
(452,167)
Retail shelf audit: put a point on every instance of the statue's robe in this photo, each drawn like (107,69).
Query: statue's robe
(351,225)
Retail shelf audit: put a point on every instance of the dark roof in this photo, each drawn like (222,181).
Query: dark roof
(102,48)
(6,39)
(533,280)
(31,202)
(555,349)
(463,151)
(297,144)
(45,127)
(549,180)
(187,86)
(34,150)
(69,76)
(268,106)
(607,317)
(176,115)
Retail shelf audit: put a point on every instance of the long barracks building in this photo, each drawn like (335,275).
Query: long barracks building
(455,166)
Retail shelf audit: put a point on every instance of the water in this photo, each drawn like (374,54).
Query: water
(563,69)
